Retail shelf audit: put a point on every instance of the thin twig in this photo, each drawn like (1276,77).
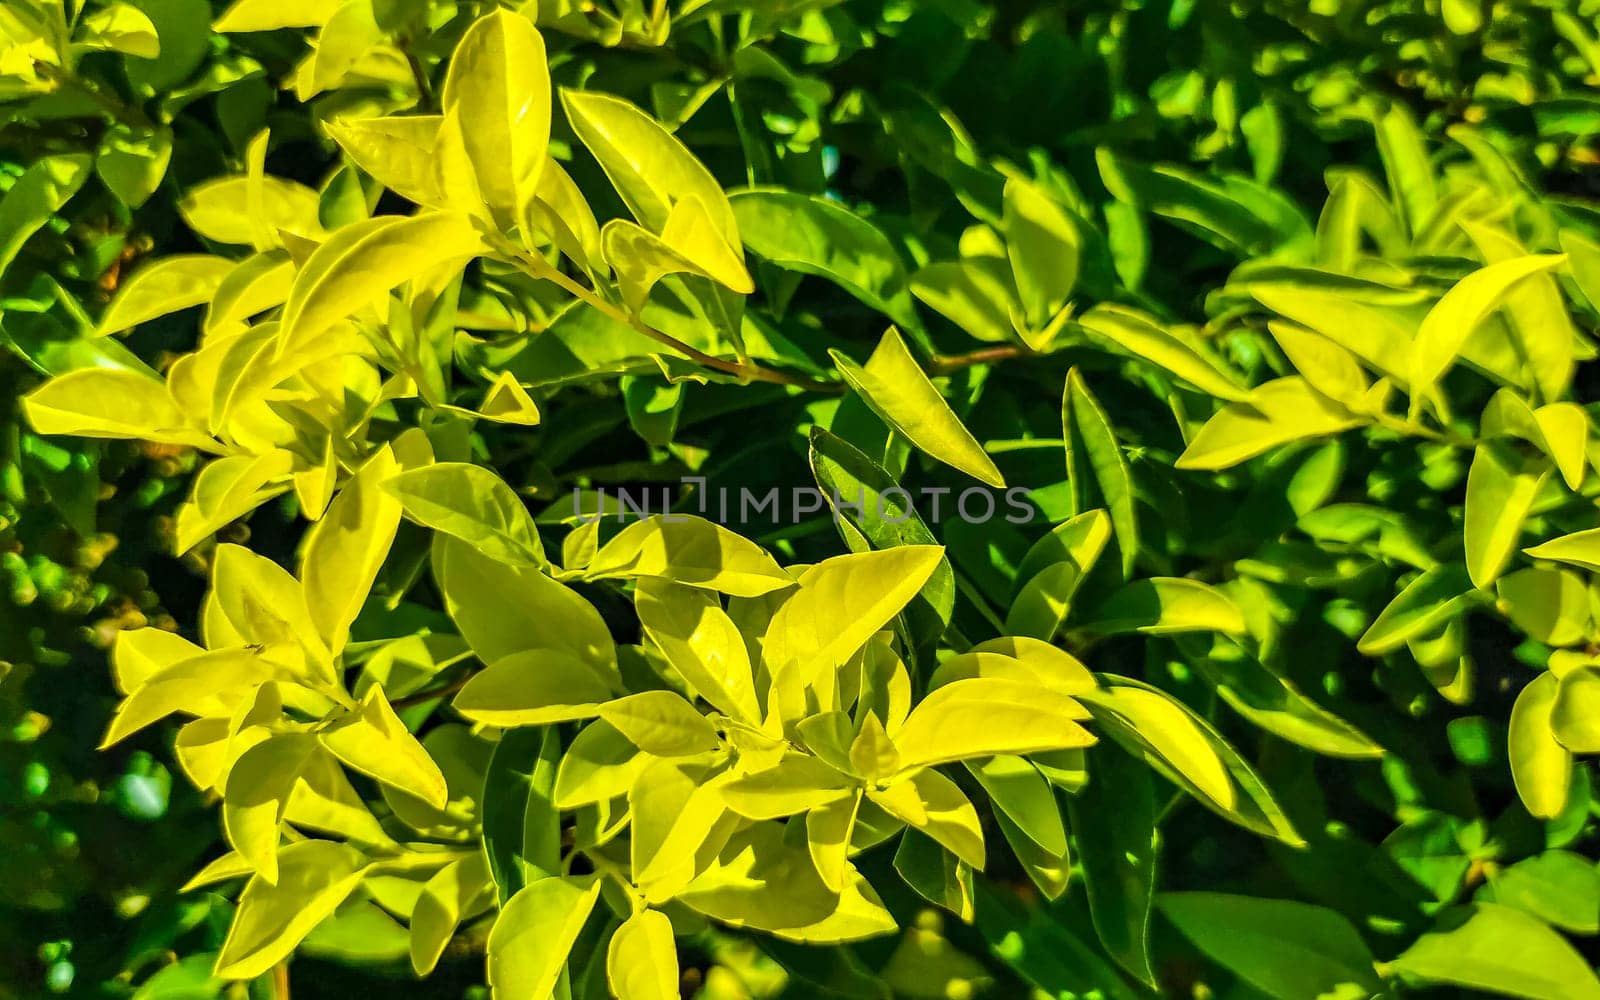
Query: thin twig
(944,364)
(419,73)
(280,981)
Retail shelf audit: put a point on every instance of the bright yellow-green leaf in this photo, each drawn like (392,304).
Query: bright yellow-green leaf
(642,960)
(206,686)
(796,783)
(974,293)
(1535,312)
(533,688)
(701,643)
(165,286)
(981,716)
(561,213)
(530,940)
(375,742)
(228,489)
(259,784)
(1428,602)
(1022,794)
(473,504)
(398,151)
(502,609)
(1171,733)
(842,602)
(139,654)
(499,84)
(346,275)
(1575,711)
(661,723)
(691,551)
(112,403)
(220,210)
(600,764)
(1164,606)
(828,830)
(269,15)
(120,27)
(649,167)
(895,387)
(942,811)
(1453,319)
(1043,243)
(1276,413)
(676,813)
(1581,549)
(1326,367)
(640,258)
(1540,766)
(1374,334)
(1551,605)
(1141,337)
(507,402)
(314,877)
(346,547)
(254,285)
(457,891)
(1501,488)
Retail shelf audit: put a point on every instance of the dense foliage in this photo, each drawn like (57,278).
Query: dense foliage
(807,499)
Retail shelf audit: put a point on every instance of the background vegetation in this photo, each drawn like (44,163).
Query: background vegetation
(1176,203)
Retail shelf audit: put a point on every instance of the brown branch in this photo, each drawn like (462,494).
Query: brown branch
(944,364)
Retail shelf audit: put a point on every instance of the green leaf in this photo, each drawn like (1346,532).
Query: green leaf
(1427,602)
(1287,950)
(533,688)
(521,827)
(1044,246)
(473,504)
(1575,712)
(1497,948)
(975,294)
(132,162)
(897,390)
(499,81)
(458,890)
(1114,825)
(314,877)
(816,236)
(1096,468)
(1138,336)
(502,609)
(1581,549)
(164,286)
(1276,413)
(39,193)
(1501,489)
(692,551)
(1454,317)
(872,500)
(642,959)
(530,940)
(1165,606)
(1558,887)
(1551,605)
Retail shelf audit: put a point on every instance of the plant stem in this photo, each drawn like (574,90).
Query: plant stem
(419,73)
(944,364)
(280,981)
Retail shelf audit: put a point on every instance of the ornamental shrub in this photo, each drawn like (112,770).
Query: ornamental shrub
(844,499)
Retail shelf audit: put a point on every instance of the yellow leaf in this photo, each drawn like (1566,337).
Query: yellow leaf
(345,549)
(374,741)
(980,717)
(642,960)
(1277,413)
(314,877)
(895,387)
